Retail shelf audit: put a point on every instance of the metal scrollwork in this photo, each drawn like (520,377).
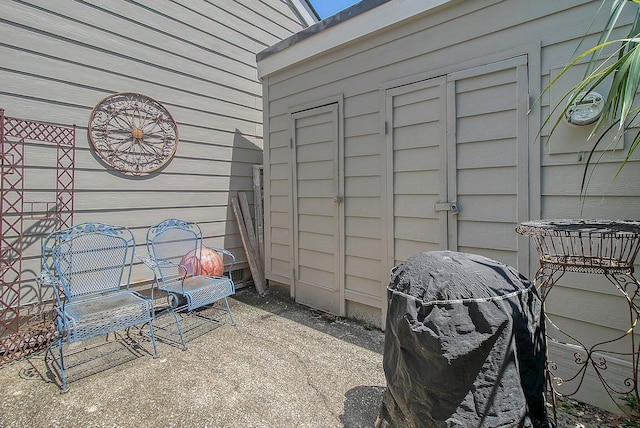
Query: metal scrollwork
(133,133)
(603,247)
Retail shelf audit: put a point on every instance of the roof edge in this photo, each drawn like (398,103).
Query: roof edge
(316,40)
(329,22)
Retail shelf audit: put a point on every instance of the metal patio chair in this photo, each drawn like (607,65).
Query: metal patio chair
(175,250)
(88,267)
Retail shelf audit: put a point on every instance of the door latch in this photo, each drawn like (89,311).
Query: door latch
(338,200)
(447,206)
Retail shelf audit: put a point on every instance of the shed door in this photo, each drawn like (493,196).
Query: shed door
(317,192)
(416,165)
(488,158)
(457,162)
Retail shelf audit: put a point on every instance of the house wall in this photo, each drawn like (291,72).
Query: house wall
(450,38)
(197,58)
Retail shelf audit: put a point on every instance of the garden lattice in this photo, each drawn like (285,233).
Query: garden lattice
(26,326)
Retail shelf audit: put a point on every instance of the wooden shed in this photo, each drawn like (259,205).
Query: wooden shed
(403,126)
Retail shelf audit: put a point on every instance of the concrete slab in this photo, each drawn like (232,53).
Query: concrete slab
(281,365)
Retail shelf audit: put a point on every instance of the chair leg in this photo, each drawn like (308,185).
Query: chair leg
(226,302)
(153,339)
(174,301)
(63,375)
(175,315)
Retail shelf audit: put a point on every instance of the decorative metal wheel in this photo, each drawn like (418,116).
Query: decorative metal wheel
(133,133)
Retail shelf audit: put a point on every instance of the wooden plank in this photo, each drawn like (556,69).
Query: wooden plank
(253,240)
(258,196)
(253,263)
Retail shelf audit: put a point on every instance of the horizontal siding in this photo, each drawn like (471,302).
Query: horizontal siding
(399,56)
(478,235)
(104,41)
(363,267)
(363,286)
(429,46)
(195,57)
(585,306)
(595,308)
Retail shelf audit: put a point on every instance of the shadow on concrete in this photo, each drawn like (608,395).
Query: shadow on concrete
(87,358)
(362,406)
(282,365)
(99,354)
(277,302)
(194,325)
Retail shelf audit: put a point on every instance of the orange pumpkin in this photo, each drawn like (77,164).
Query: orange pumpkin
(210,262)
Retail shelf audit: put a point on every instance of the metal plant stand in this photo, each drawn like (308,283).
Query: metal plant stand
(602,247)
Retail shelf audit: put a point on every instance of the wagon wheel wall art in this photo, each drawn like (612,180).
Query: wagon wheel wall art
(133,133)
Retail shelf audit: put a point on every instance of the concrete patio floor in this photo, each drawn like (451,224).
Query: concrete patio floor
(281,365)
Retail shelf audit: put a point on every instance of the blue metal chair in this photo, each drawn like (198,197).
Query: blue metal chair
(168,243)
(89,268)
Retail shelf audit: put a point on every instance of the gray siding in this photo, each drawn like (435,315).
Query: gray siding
(197,58)
(393,177)
(400,56)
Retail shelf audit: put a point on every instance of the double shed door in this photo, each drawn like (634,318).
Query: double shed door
(457,163)
(457,176)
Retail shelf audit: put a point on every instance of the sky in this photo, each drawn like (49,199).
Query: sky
(326,8)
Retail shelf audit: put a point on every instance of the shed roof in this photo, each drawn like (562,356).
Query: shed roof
(335,31)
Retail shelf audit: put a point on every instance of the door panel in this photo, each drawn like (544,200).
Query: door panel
(316,214)
(488,159)
(415,166)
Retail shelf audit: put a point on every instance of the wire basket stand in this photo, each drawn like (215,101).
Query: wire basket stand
(604,247)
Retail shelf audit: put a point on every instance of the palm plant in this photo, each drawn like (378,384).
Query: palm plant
(623,67)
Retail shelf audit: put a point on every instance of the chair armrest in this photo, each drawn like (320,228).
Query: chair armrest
(159,277)
(223,251)
(227,253)
(48,279)
(153,262)
(148,261)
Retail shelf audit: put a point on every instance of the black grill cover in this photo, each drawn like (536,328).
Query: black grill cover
(464,345)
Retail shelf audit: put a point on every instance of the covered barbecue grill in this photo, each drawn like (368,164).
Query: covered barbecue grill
(464,345)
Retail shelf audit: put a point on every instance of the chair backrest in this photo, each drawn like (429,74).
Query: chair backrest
(90,258)
(174,241)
